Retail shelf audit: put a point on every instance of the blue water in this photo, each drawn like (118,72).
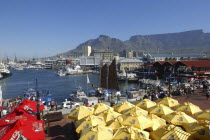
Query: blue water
(60,87)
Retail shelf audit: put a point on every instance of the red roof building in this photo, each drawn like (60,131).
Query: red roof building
(196,67)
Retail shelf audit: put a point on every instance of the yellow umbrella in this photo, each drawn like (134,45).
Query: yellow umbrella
(97,133)
(109,115)
(168,101)
(137,120)
(100,107)
(157,122)
(202,133)
(189,108)
(204,115)
(115,124)
(146,104)
(204,122)
(123,106)
(130,133)
(80,112)
(178,118)
(160,110)
(135,110)
(192,127)
(89,122)
(170,132)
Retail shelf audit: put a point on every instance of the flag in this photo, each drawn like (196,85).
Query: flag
(88,81)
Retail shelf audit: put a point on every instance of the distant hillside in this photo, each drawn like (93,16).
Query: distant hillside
(195,41)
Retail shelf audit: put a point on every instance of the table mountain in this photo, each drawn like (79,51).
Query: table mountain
(195,41)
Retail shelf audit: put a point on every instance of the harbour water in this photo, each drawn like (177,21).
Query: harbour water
(60,87)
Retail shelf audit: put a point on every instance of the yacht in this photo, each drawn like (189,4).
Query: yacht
(19,68)
(4,71)
(122,76)
(130,77)
(61,73)
(72,71)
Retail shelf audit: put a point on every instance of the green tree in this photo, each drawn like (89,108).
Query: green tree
(169,59)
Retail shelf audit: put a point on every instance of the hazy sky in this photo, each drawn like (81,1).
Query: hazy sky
(38,28)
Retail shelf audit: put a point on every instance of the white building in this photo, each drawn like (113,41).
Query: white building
(90,60)
(129,64)
(49,63)
(86,50)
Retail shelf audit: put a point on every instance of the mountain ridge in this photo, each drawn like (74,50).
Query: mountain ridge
(193,41)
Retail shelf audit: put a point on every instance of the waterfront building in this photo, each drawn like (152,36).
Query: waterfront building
(49,63)
(129,64)
(173,57)
(61,62)
(195,67)
(104,54)
(39,65)
(128,53)
(86,50)
(75,61)
(90,60)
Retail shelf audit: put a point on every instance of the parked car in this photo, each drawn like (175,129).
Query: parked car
(70,104)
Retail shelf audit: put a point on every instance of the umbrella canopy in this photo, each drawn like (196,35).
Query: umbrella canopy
(109,115)
(130,133)
(170,132)
(146,104)
(204,115)
(135,110)
(106,91)
(157,122)
(115,124)
(170,102)
(123,106)
(192,127)
(23,129)
(137,120)
(160,110)
(15,115)
(97,133)
(189,108)
(178,118)
(202,133)
(100,107)
(28,105)
(91,91)
(47,99)
(204,122)
(131,88)
(80,112)
(88,122)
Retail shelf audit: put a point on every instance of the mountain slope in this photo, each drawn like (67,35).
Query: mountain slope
(195,41)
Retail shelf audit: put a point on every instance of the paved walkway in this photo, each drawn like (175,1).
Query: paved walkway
(199,99)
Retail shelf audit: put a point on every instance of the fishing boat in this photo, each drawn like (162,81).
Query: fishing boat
(4,71)
(108,82)
(79,95)
(61,73)
(73,71)
(130,77)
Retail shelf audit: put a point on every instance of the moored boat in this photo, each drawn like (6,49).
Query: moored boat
(4,71)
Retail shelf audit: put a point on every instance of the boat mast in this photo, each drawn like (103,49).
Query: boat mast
(88,81)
